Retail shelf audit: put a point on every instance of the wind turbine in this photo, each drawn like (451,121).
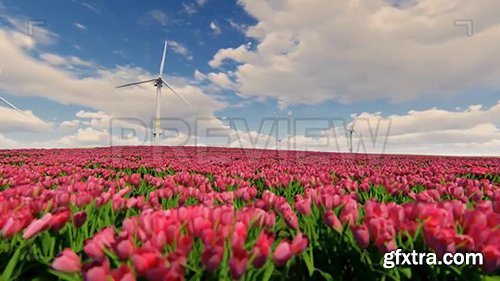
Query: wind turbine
(350,131)
(12,106)
(280,140)
(159,83)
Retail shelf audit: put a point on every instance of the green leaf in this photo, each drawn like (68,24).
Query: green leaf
(406,271)
(65,276)
(9,269)
(268,273)
(492,278)
(325,275)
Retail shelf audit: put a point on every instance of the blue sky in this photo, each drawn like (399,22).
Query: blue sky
(401,61)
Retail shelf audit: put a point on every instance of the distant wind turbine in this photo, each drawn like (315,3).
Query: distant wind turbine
(11,105)
(281,140)
(159,83)
(350,131)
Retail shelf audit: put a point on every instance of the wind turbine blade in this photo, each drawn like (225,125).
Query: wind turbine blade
(163,59)
(168,86)
(136,83)
(12,106)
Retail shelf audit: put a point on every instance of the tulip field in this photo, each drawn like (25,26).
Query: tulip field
(172,213)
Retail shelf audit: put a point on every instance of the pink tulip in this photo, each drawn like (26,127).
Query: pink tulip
(67,261)
(282,253)
(299,244)
(303,206)
(123,247)
(491,255)
(12,227)
(332,221)
(37,226)
(361,235)
(349,212)
(96,271)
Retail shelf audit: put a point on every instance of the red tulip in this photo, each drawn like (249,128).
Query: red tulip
(122,273)
(262,249)
(79,218)
(145,260)
(59,219)
(238,263)
(211,256)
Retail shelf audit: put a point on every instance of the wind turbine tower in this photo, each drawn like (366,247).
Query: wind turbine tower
(158,83)
(350,131)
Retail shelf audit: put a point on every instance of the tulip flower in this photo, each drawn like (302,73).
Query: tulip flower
(299,244)
(12,227)
(122,273)
(79,218)
(361,235)
(211,256)
(491,255)
(332,221)
(59,219)
(262,249)
(238,263)
(282,253)
(67,261)
(37,226)
(145,260)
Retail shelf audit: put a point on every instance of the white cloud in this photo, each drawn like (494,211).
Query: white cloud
(221,79)
(66,62)
(239,54)
(6,143)
(190,9)
(69,125)
(91,7)
(64,86)
(435,131)
(238,26)
(13,121)
(201,2)
(180,49)
(350,51)
(215,28)
(85,137)
(159,16)
(80,26)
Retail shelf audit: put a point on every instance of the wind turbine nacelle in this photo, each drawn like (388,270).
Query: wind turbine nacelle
(158,82)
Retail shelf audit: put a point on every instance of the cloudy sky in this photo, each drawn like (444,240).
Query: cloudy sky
(409,76)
